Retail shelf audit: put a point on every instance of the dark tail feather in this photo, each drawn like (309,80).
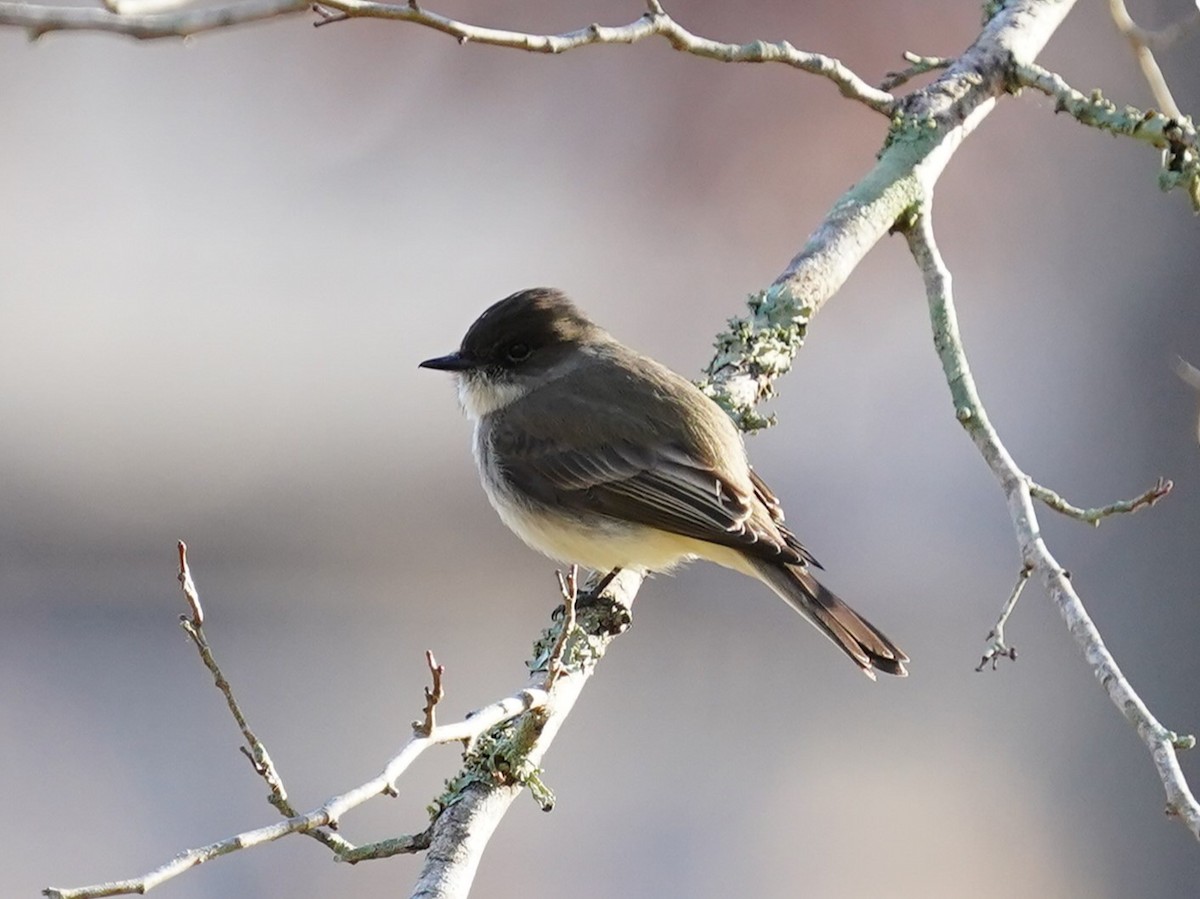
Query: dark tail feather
(849,631)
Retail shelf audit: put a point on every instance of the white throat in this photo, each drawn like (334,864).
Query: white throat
(480,397)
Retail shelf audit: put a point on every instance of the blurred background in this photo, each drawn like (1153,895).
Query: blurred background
(222,260)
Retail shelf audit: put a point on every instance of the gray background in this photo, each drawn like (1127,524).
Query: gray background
(222,261)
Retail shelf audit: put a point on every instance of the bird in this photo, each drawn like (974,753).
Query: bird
(595,454)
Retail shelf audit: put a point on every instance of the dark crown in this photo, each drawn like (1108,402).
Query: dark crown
(536,318)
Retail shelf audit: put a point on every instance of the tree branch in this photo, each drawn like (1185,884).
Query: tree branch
(149,19)
(918,65)
(38,20)
(1190,375)
(478,798)
(1175,136)
(1094,516)
(969,409)
(329,813)
(1140,41)
(927,128)
(759,348)
(997,648)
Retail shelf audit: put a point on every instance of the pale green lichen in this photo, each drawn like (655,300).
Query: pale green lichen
(990,8)
(499,757)
(752,353)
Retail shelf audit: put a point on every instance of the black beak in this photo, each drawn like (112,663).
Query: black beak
(453,362)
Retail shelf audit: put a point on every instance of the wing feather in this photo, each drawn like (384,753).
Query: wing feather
(667,490)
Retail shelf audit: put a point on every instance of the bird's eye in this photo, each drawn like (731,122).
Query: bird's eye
(517,352)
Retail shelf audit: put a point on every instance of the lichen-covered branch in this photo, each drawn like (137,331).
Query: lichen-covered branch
(759,347)
(1094,516)
(426,734)
(506,761)
(1174,135)
(1161,742)
(928,127)
(329,813)
(507,741)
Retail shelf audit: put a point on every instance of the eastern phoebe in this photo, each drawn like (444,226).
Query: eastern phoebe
(595,454)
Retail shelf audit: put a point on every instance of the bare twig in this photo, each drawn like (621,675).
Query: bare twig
(997,649)
(42,19)
(1140,41)
(255,750)
(1094,516)
(655,22)
(39,20)
(1161,742)
(189,589)
(194,628)
(918,65)
(569,587)
(329,813)
(1159,38)
(433,695)
(1190,375)
(327,16)
(1187,372)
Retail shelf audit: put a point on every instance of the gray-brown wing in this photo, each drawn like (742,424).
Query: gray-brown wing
(665,489)
(773,506)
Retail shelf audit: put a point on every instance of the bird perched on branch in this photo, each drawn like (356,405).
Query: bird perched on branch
(593,453)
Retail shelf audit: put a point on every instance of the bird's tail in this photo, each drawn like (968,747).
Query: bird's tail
(849,631)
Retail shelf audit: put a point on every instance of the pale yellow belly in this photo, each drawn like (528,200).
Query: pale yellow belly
(615,545)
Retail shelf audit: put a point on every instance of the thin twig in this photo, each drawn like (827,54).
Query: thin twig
(1161,742)
(1190,375)
(997,649)
(255,750)
(1161,38)
(655,22)
(433,695)
(194,628)
(325,815)
(405,845)
(189,588)
(41,19)
(1140,40)
(918,65)
(330,812)
(1174,135)
(1187,372)
(569,587)
(1094,516)
(327,16)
